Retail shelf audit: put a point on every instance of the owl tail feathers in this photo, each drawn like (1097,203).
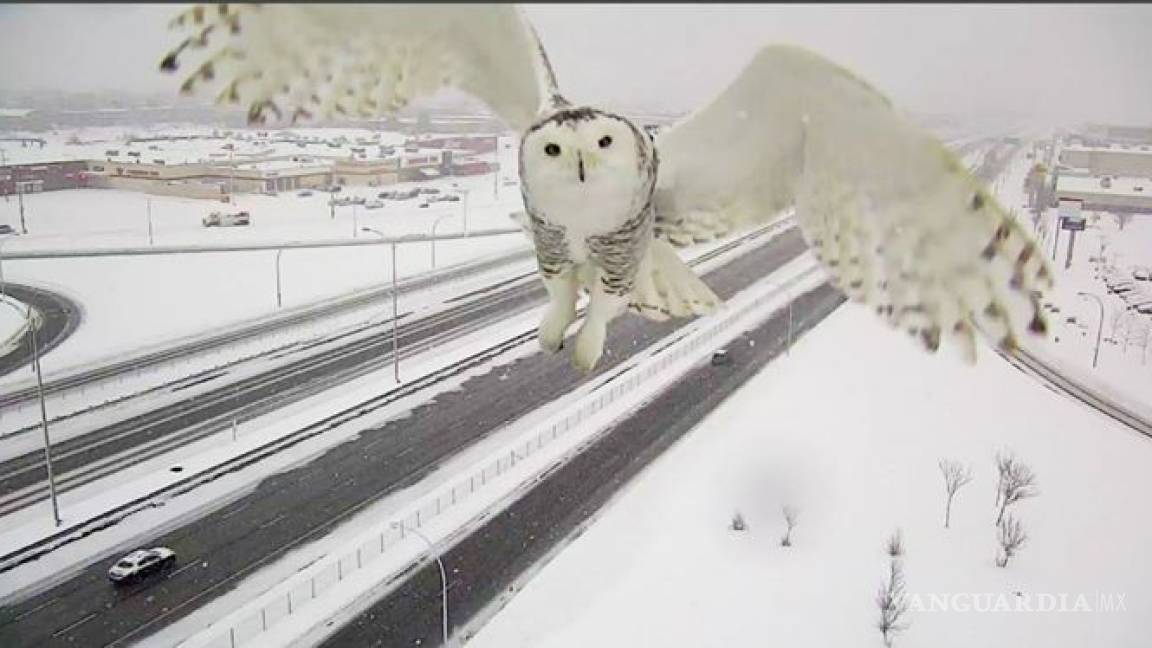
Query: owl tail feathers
(666,287)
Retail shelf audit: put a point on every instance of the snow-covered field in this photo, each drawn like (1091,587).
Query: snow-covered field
(1124,371)
(848,430)
(130,302)
(662,567)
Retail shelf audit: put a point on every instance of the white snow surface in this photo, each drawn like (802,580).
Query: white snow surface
(855,450)
(848,429)
(1124,371)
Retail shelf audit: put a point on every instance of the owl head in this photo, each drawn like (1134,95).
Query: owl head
(582,151)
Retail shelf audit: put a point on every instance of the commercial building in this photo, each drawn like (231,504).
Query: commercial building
(1109,160)
(1111,193)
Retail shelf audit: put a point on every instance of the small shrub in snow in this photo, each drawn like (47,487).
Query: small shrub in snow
(738,523)
(790,515)
(955,476)
(1012,537)
(893,603)
(895,545)
(1017,481)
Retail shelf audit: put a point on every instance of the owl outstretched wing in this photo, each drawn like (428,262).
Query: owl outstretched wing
(893,217)
(305,61)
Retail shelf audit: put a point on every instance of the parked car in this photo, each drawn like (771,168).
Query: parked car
(341,202)
(1142,274)
(721,358)
(359,200)
(220,219)
(304,193)
(142,563)
(374,204)
(334,189)
(6,229)
(451,198)
(427,190)
(385,195)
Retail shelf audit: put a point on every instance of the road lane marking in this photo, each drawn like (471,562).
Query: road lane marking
(84,620)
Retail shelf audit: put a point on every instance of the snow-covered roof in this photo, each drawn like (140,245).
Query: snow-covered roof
(1120,185)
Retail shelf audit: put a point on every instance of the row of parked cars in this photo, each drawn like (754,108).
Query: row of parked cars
(1134,287)
(433,194)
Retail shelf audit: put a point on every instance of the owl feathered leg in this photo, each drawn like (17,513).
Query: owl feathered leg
(562,292)
(603,307)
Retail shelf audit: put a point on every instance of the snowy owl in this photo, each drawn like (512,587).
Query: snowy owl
(892,216)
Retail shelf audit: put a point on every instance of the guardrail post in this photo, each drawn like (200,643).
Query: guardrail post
(232,636)
(289,602)
(264,619)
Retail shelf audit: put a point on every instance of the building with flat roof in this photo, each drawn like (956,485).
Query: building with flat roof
(1110,160)
(1109,193)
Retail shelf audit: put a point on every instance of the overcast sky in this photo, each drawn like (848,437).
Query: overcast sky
(1063,62)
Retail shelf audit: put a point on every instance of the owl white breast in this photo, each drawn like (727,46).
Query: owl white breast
(587,171)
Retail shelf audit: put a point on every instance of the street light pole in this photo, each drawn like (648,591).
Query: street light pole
(1099,327)
(443,575)
(466,193)
(20,197)
(395,308)
(279,300)
(151,241)
(433,237)
(32,317)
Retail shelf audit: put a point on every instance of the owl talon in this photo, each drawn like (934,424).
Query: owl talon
(589,347)
(551,331)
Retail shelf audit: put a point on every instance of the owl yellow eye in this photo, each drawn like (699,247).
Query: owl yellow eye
(606,141)
(552,149)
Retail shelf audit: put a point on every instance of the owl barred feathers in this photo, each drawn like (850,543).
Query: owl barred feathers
(896,221)
(888,211)
(285,62)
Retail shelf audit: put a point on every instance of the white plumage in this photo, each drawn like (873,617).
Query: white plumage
(897,222)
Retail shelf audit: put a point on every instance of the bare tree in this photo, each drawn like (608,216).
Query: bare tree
(738,523)
(895,545)
(1012,537)
(955,476)
(1017,481)
(893,603)
(790,515)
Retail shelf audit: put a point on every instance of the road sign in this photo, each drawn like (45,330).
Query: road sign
(1073,224)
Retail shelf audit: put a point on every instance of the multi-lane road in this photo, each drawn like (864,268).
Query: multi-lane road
(318,366)
(492,561)
(219,549)
(61,317)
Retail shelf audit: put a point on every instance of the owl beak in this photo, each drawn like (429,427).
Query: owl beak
(580,165)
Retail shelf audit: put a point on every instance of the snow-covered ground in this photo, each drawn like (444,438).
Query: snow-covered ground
(1123,371)
(130,302)
(848,429)
(12,324)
